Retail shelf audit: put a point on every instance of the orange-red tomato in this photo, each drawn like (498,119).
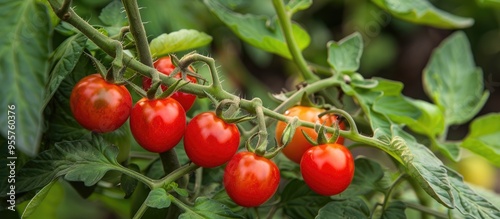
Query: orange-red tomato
(299,143)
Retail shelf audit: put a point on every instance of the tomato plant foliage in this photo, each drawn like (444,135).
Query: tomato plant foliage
(243,154)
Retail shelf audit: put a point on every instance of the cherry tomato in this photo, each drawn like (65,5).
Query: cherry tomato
(327,169)
(158,125)
(100,106)
(209,141)
(299,143)
(250,180)
(165,66)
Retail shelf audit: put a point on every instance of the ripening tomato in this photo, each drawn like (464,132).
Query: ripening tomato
(299,144)
(159,124)
(209,141)
(100,106)
(165,66)
(250,180)
(327,169)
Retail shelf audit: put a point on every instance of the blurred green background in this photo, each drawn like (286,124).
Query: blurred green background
(394,49)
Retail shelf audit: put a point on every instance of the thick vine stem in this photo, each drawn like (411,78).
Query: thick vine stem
(144,179)
(62,11)
(140,211)
(177,174)
(137,30)
(286,26)
(389,192)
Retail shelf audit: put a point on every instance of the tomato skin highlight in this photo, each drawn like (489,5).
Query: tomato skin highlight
(327,169)
(159,124)
(250,180)
(209,141)
(100,106)
(299,144)
(165,66)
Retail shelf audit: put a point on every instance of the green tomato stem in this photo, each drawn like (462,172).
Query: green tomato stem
(141,211)
(194,57)
(286,27)
(142,178)
(62,11)
(388,194)
(181,204)
(177,174)
(426,210)
(138,32)
(170,163)
(261,121)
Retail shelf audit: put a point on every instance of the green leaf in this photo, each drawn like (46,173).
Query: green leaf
(431,120)
(178,41)
(294,6)
(367,176)
(484,137)
(24,57)
(128,183)
(295,194)
(348,208)
(395,210)
(175,187)
(490,195)
(113,14)
(81,160)
(468,202)
(344,56)
(158,198)
(453,82)
(397,108)
(64,60)
(423,12)
(113,18)
(47,206)
(208,208)
(37,200)
(450,149)
(493,3)
(259,31)
(423,166)
(380,123)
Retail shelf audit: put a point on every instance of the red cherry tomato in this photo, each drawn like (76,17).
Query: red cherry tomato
(250,180)
(209,141)
(327,169)
(100,106)
(165,66)
(299,144)
(157,125)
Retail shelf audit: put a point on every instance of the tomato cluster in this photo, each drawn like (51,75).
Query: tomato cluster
(250,179)
(327,169)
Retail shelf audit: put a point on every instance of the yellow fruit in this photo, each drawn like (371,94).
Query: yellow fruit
(476,170)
